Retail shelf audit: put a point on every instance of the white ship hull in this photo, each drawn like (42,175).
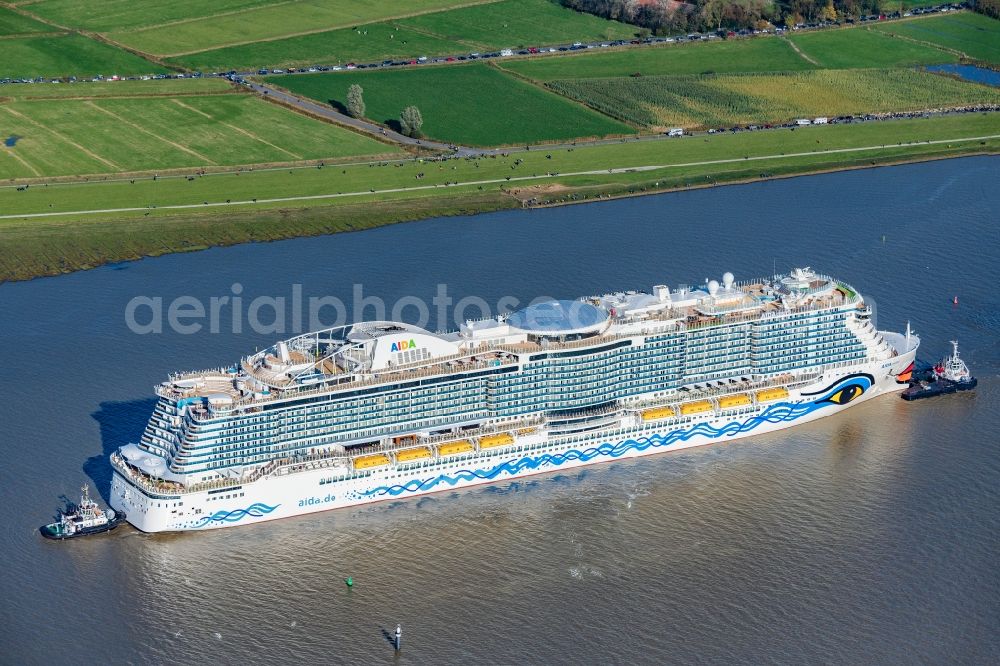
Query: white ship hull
(303,491)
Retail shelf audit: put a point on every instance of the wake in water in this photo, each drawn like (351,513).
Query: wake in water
(585,571)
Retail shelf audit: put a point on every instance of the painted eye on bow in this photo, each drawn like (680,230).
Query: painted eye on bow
(846,394)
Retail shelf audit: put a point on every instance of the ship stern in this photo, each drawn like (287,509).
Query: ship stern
(145,513)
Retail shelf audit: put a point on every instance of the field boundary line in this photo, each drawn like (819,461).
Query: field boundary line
(67,31)
(238,129)
(544,87)
(800,52)
(303,33)
(68,140)
(85,98)
(152,134)
(445,38)
(907,38)
(19,9)
(149,57)
(195,19)
(494,181)
(23,161)
(26,35)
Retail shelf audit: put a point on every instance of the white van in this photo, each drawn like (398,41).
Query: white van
(822,120)
(677,131)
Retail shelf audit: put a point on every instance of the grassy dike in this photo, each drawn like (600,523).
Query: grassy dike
(58,228)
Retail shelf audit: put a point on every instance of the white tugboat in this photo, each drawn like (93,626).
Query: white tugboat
(949,375)
(83,519)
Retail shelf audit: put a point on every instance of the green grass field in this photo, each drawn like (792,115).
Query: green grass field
(105,15)
(129,134)
(860,47)
(690,156)
(518,23)
(907,5)
(54,244)
(373,43)
(68,55)
(748,55)
(504,24)
(975,35)
(470,104)
(269,22)
(724,100)
(12,23)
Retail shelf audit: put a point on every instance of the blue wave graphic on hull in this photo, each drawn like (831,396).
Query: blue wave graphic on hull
(256,510)
(778,413)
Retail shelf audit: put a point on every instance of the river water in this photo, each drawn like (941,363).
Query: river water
(969,73)
(869,537)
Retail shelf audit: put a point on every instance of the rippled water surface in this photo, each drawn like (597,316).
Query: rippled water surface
(869,537)
(969,73)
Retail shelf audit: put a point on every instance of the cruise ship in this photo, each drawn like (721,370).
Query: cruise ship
(384,410)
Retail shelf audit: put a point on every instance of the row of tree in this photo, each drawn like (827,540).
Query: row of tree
(666,17)
(410,120)
(989,7)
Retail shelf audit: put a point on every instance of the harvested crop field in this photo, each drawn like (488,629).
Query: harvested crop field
(126,134)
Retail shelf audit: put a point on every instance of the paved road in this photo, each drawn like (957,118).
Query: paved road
(493,181)
(327,111)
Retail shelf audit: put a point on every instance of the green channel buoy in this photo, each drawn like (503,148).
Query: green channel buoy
(350,581)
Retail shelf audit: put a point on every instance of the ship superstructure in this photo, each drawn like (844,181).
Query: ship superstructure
(378,410)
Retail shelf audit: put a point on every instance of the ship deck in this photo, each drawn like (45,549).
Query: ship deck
(222,388)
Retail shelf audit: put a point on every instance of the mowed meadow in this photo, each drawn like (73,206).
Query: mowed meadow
(12,23)
(283,19)
(744,55)
(107,134)
(847,48)
(104,15)
(472,104)
(484,27)
(724,100)
(975,35)
(250,34)
(844,48)
(164,27)
(67,54)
